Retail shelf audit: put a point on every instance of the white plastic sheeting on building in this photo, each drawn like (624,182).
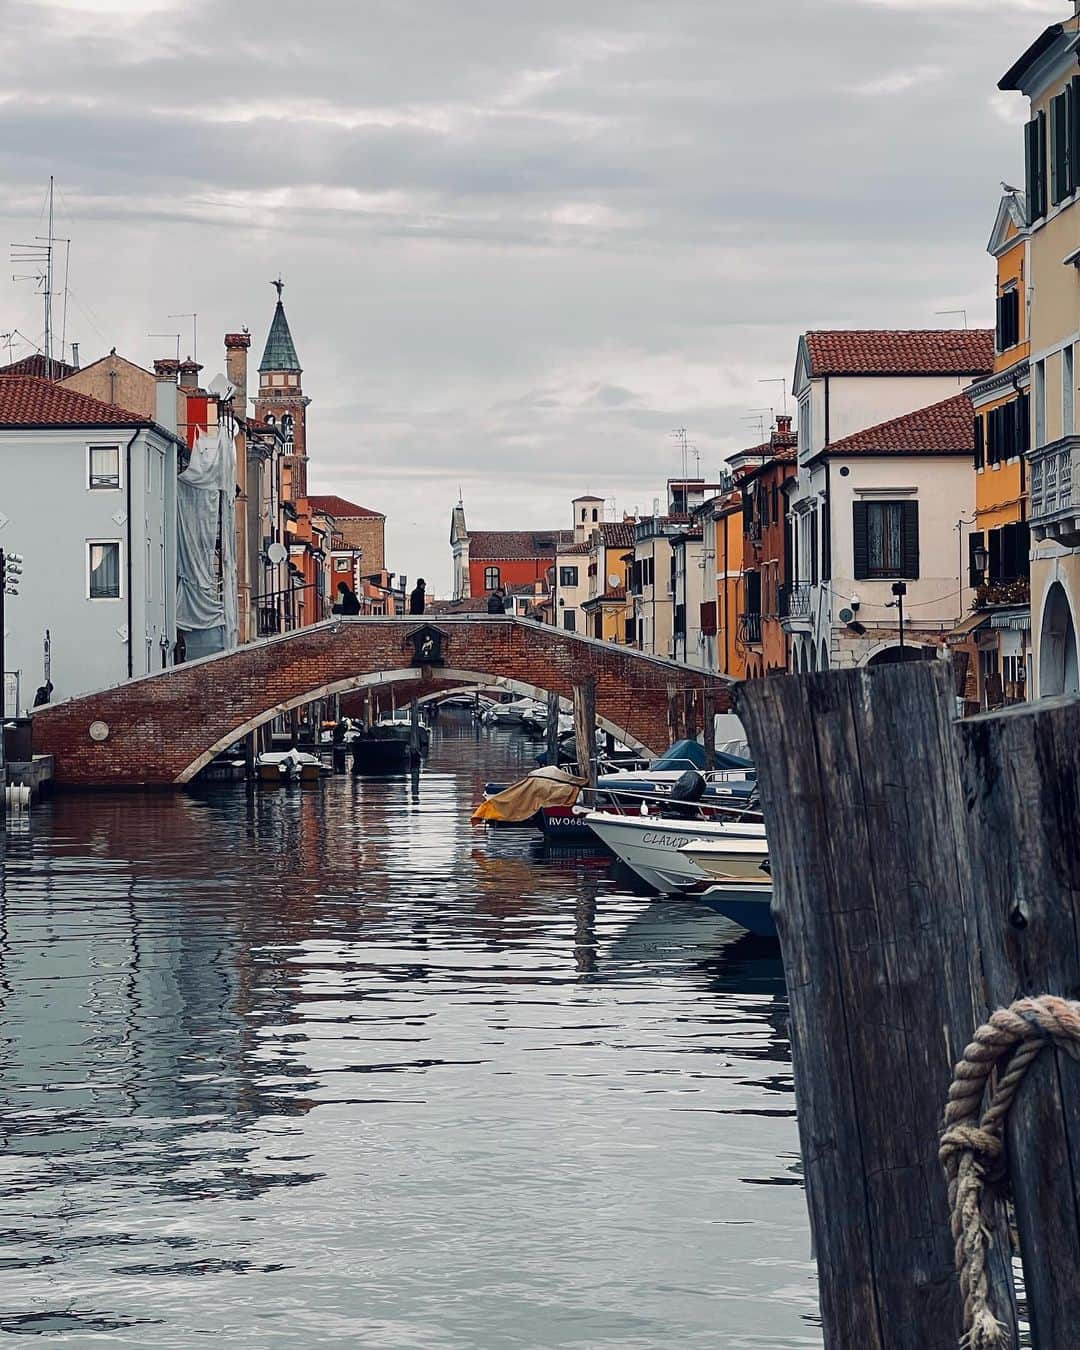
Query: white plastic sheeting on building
(206,604)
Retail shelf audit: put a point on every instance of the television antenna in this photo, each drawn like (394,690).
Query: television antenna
(38,255)
(174,336)
(782,382)
(679,437)
(194,333)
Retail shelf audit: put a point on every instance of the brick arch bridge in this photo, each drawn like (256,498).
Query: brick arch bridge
(163,728)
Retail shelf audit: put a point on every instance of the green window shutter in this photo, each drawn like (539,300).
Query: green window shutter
(861,540)
(1035,163)
(994,572)
(980,441)
(826,540)
(1023,548)
(911,539)
(1074,133)
(1059,148)
(975,541)
(1023,417)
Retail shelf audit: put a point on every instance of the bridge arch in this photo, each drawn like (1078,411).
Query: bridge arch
(161,729)
(464,679)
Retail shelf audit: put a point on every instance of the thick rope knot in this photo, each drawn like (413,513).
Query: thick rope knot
(972,1149)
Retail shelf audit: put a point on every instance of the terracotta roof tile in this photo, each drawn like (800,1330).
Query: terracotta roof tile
(28,401)
(507,545)
(35,364)
(932,351)
(618,533)
(945,428)
(331,505)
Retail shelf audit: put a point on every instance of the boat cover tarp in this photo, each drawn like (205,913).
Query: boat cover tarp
(521,800)
(205,493)
(691,755)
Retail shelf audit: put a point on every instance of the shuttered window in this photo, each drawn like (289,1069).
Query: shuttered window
(1035,159)
(1060,169)
(708,618)
(1008,320)
(886,540)
(1008,548)
(980,441)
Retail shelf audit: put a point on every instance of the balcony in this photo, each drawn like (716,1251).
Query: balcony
(749,630)
(1054,510)
(795,606)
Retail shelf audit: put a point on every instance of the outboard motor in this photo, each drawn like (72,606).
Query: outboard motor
(686,791)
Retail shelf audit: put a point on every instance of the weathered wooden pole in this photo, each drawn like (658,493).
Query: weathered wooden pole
(414,730)
(673,715)
(690,727)
(585,728)
(857,771)
(1020,771)
(552,729)
(708,727)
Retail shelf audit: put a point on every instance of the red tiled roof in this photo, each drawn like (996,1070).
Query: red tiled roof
(339,508)
(27,401)
(928,351)
(945,428)
(35,364)
(616,595)
(585,547)
(508,545)
(618,533)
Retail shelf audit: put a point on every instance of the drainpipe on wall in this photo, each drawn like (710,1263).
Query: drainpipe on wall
(130,606)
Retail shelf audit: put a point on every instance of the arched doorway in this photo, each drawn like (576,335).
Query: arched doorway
(824,663)
(1059,668)
(891,656)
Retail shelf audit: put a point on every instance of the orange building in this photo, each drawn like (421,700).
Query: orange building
(998,633)
(487,559)
(721,520)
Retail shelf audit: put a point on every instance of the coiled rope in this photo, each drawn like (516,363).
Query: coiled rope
(972,1149)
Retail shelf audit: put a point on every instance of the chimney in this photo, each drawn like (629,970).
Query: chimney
(783,421)
(189,374)
(236,363)
(75,355)
(165,395)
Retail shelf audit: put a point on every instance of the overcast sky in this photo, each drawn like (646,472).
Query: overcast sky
(522,240)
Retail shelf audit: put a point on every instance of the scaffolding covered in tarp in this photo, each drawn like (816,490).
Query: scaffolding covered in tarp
(206,602)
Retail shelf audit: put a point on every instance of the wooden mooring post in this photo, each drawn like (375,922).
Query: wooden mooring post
(552,729)
(585,729)
(860,787)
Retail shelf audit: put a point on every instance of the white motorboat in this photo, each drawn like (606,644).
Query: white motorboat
(730,858)
(652,846)
(747,903)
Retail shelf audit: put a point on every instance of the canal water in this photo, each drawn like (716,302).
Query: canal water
(331,1066)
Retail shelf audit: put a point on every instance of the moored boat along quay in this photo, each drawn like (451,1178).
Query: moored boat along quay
(326,1063)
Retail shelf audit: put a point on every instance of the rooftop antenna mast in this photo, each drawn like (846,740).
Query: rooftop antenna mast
(782,382)
(194,333)
(679,435)
(39,256)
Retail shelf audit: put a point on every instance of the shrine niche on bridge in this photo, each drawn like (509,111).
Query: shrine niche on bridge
(428,646)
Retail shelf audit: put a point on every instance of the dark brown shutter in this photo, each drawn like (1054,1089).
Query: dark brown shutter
(999,323)
(1074,133)
(1023,548)
(911,539)
(994,541)
(826,539)
(1059,148)
(860,534)
(980,441)
(1023,418)
(975,541)
(1035,161)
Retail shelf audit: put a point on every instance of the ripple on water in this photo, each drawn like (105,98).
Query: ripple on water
(332,1067)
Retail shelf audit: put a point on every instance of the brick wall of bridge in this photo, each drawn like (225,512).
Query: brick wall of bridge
(161,727)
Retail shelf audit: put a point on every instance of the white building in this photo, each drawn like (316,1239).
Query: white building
(845,382)
(88,497)
(688,558)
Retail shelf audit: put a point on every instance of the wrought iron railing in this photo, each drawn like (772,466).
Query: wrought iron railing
(749,630)
(795,600)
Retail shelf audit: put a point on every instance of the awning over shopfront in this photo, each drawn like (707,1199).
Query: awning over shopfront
(1017,620)
(966,627)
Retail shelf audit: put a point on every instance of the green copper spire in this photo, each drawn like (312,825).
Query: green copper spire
(279,352)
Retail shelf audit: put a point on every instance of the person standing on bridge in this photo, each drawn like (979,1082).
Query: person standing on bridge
(348,601)
(417,596)
(496,602)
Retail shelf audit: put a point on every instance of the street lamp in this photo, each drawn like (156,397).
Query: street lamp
(980,560)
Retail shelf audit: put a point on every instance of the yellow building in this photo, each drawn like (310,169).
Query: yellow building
(998,545)
(609,609)
(722,524)
(1047,74)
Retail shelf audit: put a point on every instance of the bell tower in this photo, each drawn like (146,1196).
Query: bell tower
(281,401)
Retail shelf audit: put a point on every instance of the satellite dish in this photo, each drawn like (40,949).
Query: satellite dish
(614,579)
(846,615)
(221,388)
(276,554)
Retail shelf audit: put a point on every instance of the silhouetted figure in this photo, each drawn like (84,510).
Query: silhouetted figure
(44,694)
(496,603)
(348,600)
(417,596)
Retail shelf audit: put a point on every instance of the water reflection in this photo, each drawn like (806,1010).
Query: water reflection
(355,1071)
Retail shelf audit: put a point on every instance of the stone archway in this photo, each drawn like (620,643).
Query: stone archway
(1059,667)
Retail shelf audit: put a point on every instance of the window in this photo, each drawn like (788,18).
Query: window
(103,561)
(980,441)
(491,578)
(1035,163)
(805,425)
(1064,116)
(1068,392)
(569,620)
(149,570)
(1008,319)
(679,621)
(886,540)
(342,564)
(595,514)
(568,576)
(104,466)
